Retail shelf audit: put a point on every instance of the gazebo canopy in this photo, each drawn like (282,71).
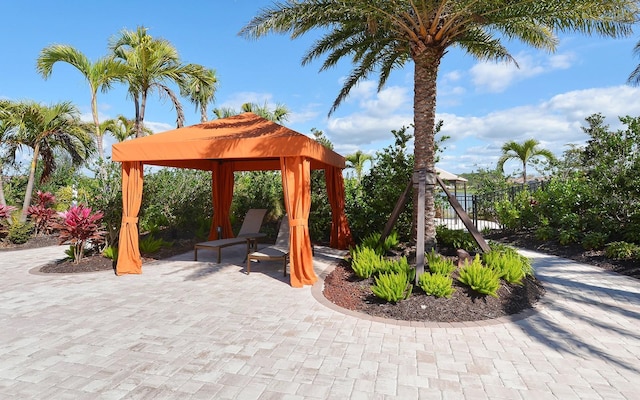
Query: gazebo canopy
(252,143)
(245,142)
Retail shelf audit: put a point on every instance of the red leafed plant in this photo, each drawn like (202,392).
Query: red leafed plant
(42,214)
(79,226)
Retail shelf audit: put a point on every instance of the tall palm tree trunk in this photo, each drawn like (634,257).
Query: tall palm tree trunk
(524,173)
(424,106)
(3,201)
(96,123)
(32,177)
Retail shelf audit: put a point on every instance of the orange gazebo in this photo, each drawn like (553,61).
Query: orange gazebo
(245,142)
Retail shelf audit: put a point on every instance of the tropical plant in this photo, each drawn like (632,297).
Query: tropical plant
(111,252)
(365,261)
(523,152)
(46,129)
(152,65)
(5,213)
(80,227)
(455,239)
(508,266)
(42,213)
(200,88)
(356,162)
(439,265)
(100,75)
(380,35)
(437,285)
(279,114)
(373,241)
(392,286)
(149,244)
(480,278)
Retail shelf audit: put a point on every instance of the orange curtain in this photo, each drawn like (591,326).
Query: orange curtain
(296,184)
(340,231)
(129,260)
(222,192)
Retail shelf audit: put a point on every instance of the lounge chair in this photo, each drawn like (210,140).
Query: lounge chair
(278,252)
(249,233)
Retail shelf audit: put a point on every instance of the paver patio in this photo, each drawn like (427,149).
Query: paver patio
(202,330)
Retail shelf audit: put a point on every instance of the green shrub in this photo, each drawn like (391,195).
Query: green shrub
(568,236)
(436,285)
(507,214)
(594,240)
(479,278)
(365,261)
(19,232)
(507,265)
(622,251)
(455,238)
(111,252)
(392,287)
(150,244)
(439,265)
(545,233)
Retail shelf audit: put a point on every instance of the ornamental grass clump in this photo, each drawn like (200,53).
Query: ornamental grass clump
(480,278)
(365,261)
(436,285)
(392,286)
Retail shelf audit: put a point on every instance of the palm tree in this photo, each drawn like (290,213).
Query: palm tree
(122,128)
(279,114)
(380,35)
(45,130)
(200,89)
(524,152)
(356,162)
(100,76)
(153,64)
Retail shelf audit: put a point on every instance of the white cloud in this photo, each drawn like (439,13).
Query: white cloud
(476,140)
(376,116)
(497,77)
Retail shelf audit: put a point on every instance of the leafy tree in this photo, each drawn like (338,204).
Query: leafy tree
(611,161)
(524,152)
(44,129)
(100,75)
(380,35)
(152,65)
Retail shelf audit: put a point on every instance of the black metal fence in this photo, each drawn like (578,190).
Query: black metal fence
(480,208)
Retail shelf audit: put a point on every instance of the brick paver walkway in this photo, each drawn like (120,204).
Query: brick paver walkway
(199,330)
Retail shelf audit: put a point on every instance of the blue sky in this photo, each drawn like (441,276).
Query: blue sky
(482,105)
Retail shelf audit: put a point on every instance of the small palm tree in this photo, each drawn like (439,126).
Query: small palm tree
(278,115)
(153,64)
(200,88)
(356,162)
(100,76)
(524,152)
(44,130)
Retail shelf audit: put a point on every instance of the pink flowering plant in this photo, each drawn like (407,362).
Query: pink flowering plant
(42,214)
(78,227)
